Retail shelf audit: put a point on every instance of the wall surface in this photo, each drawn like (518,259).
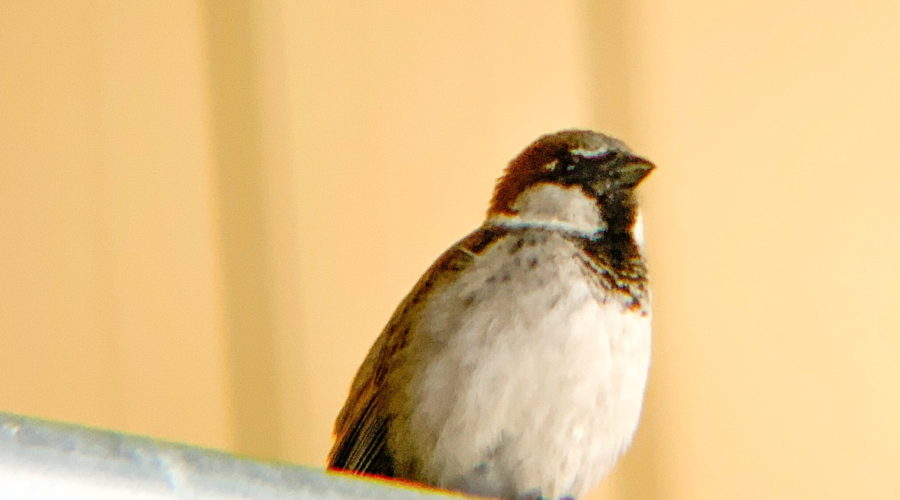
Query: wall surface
(110,308)
(208,210)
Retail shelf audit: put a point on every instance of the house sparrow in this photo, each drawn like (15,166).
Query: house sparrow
(516,366)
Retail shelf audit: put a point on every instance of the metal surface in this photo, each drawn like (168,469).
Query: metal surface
(40,459)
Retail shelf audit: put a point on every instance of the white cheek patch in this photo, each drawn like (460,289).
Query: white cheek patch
(637,230)
(555,206)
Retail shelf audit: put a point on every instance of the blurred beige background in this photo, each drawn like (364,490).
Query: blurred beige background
(208,210)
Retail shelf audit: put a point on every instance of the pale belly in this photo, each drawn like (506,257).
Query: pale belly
(534,386)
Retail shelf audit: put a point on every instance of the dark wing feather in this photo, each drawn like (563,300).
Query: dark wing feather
(361,444)
(362,426)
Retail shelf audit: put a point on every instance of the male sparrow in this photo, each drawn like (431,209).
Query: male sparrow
(516,366)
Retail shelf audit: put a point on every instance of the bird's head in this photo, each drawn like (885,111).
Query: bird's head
(577,180)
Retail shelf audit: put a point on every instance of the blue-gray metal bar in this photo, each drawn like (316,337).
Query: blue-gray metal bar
(40,459)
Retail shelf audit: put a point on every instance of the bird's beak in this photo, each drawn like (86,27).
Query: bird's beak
(628,170)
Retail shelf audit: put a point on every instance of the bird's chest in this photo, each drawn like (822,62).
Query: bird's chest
(532,372)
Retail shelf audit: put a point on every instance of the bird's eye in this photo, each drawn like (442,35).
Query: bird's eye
(572,162)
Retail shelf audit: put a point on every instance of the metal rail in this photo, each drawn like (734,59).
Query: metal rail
(40,459)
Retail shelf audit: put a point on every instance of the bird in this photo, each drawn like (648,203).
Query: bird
(517,365)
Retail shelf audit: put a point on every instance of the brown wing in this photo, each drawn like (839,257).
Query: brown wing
(362,426)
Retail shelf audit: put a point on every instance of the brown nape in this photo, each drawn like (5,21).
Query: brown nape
(524,170)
